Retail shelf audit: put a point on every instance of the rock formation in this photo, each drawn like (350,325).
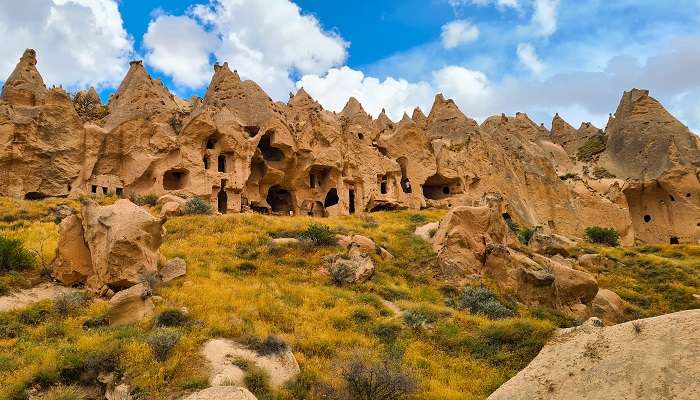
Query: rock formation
(112,246)
(242,151)
(654,358)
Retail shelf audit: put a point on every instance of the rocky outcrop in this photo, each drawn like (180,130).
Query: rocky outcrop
(221,393)
(646,359)
(130,305)
(243,151)
(109,246)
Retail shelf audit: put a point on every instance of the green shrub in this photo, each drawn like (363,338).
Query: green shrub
(512,225)
(592,147)
(415,320)
(604,236)
(162,342)
(145,200)
(340,273)
(257,380)
(319,235)
(197,206)
(96,322)
(272,344)
(377,381)
(246,252)
(34,314)
(172,317)
(4,289)
(14,257)
(302,384)
(9,327)
(418,218)
(61,392)
(525,235)
(67,303)
(387,332)
(481,300)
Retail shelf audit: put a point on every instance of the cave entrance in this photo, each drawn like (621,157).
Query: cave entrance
(222,198)
(205,160)
(351,201)
(268,152)
(317,209)
(211,142)
(405,182)
(175,179)
(221,163)
(674,240)
(331,198)
(35,196)
(437,187)
(280,200)
(384,184)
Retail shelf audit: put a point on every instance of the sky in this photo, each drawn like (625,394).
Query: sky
(541,57)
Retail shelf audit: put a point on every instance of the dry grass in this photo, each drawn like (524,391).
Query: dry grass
(454,356)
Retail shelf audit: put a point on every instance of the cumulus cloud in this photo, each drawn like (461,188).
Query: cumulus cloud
(185,59)
(528,57)
(544,17)
(334,89)
(457,33)
(79,42)
(265,40)
(498,3)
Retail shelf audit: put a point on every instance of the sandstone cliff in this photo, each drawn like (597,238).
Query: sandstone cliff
(242,151)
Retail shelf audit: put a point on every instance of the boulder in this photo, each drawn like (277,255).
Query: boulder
(358,268)
(222,393)
(108,245)
(607,306)
(550,244)
(174,268)
(427,231)
(219,353)
(171,198)
(357,244)
(654,358)
(463,236)
(595,261)
(170,209)
(130,305)
(285,242)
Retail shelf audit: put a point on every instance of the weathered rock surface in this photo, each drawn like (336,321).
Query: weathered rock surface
(427,231)
(26,297)
(130,305)
(108,245)
(243,151)
(220,353)
(357,268)
(173,269)
(654,358)
(222,393)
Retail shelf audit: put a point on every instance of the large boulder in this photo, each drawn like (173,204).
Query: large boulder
(550,243)
(463,236)
(654,358)
(108,245)
(607,306)
(357,268)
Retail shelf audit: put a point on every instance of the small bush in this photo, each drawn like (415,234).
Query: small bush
(67,303)
(418,218)
(197,206)
(319,235)
(162,342)
(34,314)
(480,300)
(604,236)
(525,235)
(377,381)
(95,322)
(415,320)
(145,200)
(61,392)
(340,273)
(512,225)
(171,318)
(9,327)
(14,257)
(4,289)
(257,380)
(387,332)
(246,252)
(273,344)
(592,147)
(302,385)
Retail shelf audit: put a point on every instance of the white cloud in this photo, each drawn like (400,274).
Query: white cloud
(396,95)
(528,57)
(469,88)
(265,40)
(544,17)
(498,3)
(185,59)
(457,33)
(79,42)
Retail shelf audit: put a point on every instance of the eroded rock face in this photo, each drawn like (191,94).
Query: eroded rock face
(130,305)
(222,393)
(108,245)
(245,152)
(651,358)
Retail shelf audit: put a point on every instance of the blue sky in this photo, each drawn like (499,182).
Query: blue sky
(537,56)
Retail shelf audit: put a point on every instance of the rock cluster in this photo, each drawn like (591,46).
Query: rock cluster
(476,241)
(242,151)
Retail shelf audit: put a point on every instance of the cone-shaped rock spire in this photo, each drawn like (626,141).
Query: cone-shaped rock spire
(25,87)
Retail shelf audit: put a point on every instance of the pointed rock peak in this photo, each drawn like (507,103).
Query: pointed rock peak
(560,126)
(406,119)
(441,105)
(25,85)
(301,98)
(383,118)
(353,109)
(89,95)
(418,115)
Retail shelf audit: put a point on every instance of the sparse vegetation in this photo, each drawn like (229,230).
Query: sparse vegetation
(14,257)
(162,341)
(525,234)
(257,380)
(481,300)
(319,235)
(197,206)
(451,353)
(88,107)
(145,200)
(591,148)
(604,236)
(171,318)
(377,381)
